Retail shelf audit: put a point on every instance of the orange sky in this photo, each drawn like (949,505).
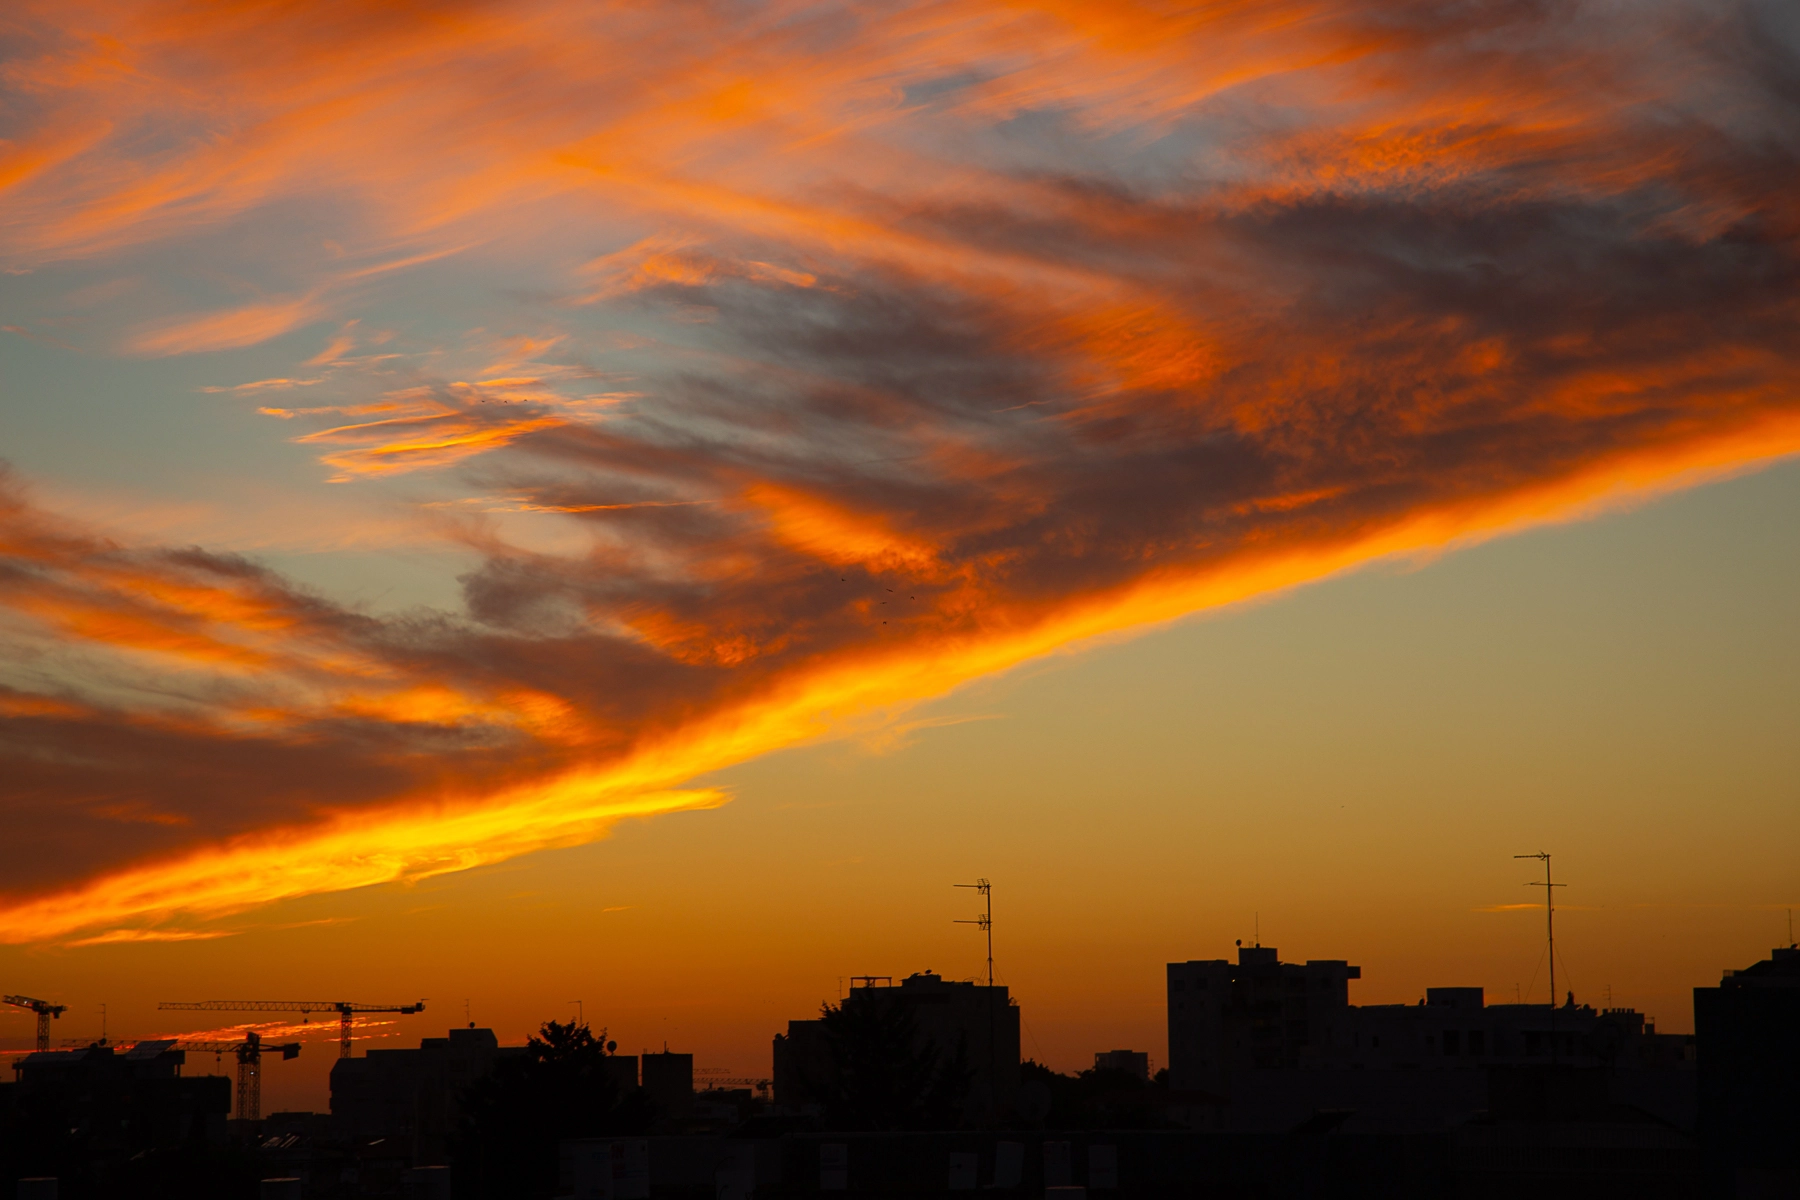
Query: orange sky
(728,381)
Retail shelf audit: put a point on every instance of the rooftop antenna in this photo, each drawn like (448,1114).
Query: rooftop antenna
(1550,933)
(103,1024)
(1256,929)
(581,1017)
(985,922)
(1791,944)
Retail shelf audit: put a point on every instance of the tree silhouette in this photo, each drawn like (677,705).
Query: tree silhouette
(513,1117)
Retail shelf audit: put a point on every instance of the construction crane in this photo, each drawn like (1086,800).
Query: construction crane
(345,1010)
(44,1010)
(249,1067)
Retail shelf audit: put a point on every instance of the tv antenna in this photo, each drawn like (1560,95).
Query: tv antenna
(985,921)
(1549,933)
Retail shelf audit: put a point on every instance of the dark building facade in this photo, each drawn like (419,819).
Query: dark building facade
(411,1095)
(1258,1012)
(622,1069)
(669,1082)
(1271,1038)
(74,1112)
(951,1017)
(1747,1040)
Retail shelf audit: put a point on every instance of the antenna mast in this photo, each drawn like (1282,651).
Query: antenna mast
(1549,933)
(985,921)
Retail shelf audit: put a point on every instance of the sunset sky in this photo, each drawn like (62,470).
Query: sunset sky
(535,502)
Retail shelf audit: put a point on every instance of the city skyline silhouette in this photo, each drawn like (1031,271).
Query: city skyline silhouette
(624,514)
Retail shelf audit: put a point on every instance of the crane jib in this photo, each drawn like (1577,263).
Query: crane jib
(345,1009)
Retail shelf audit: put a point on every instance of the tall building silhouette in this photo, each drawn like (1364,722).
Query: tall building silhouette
(411,1096)
(669,1080)
(951,1017)
(1747,1037)
(1258,1012)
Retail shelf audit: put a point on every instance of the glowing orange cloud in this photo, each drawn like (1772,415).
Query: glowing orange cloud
(816,527)
(399,846)
(843,357)
(428,433)
(224,331)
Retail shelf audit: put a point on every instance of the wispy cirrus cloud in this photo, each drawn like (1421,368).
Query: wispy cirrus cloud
(227,330)
(113,937)
(262,385)
(423,428)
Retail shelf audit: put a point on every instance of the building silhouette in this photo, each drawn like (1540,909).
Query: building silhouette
(1226,1018)
(410,1097)
(951,1018)
(141,1089)
(669,1082)
(90,1113)
(622,1069)
(1273,1041)
(1747,1038)
(1134,1063)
